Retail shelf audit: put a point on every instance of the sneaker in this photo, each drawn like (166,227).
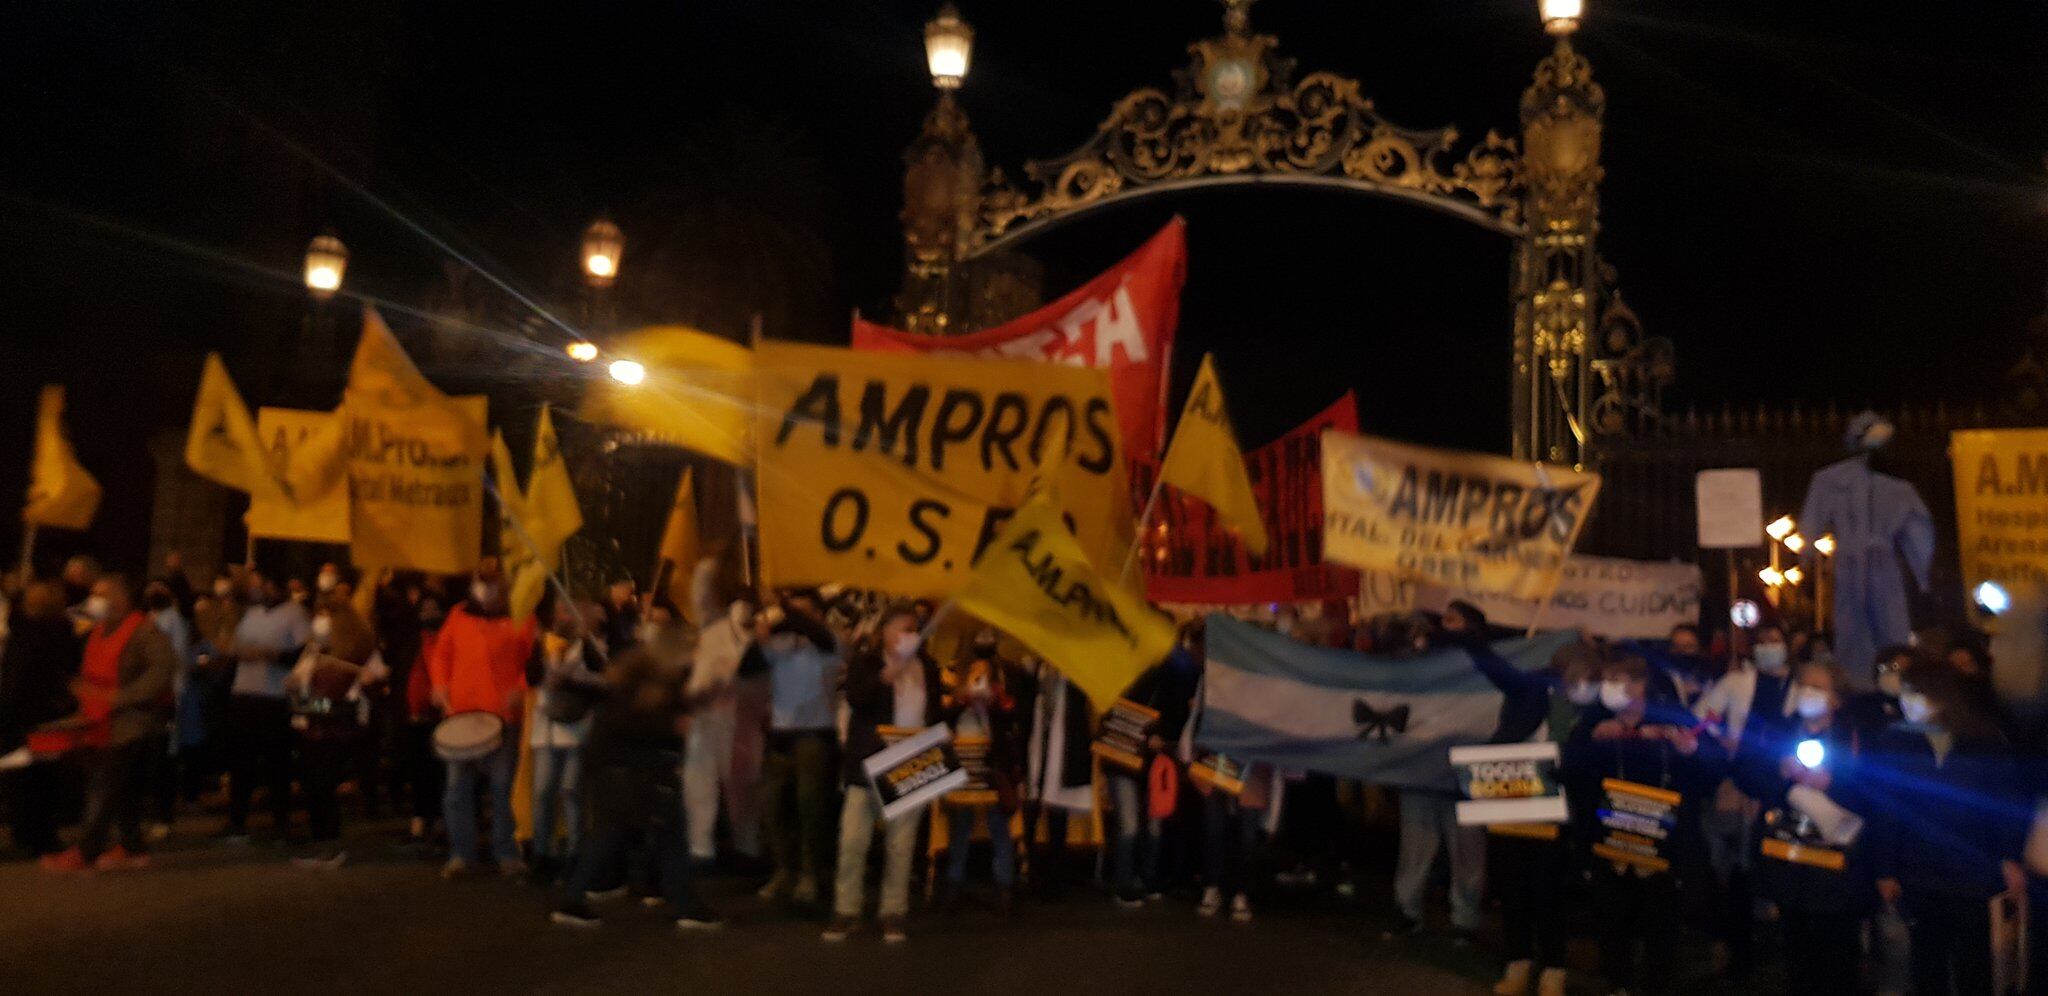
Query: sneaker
(605,895)
(156,832)
(892,930)
(650,902)
(1155,896)
(776,887)
(119,859)
(1515,981)
(1240,908)
(456,868)
(514,868)
(701,919)
(233,837)
(1131,900)
(574,915)
(1403,926)
(1212,902)
(330,861)
(1551,982)
(806,891)
(1347,889)
(841,928)
(64,862)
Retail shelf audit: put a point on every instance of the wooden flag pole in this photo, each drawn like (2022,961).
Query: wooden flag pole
(1138,538)
(28,552)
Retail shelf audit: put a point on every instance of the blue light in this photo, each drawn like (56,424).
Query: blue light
(1992,598)
(1811,753)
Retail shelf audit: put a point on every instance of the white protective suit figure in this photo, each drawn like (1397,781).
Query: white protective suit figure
(1876,519)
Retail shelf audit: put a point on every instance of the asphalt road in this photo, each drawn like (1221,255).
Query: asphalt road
(208,918)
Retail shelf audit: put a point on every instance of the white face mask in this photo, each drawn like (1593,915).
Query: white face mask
(97,608)
(904,645)
(326,581)
(645,632)
(223,588)
(1614,695)
(1890,683)
(1582,693)
(1770,658)
(1813,703)
(482,592)
(323,629)
(1915,707)
(741,614)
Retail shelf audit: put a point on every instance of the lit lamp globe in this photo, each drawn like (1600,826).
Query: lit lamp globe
(582,351)
(628,372)
(326,262)
(1561,17)
(603,245)
(948,45)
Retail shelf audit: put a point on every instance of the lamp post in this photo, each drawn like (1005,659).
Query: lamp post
(320,355)
(1561,17)
(948,47)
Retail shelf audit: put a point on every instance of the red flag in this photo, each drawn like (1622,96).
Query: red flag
(1122,321)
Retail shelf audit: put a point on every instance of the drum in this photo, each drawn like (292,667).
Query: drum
(468,736)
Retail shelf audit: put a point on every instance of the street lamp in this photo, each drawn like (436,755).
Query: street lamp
(628,372)
(1771,577)
(1826,545)
(602,246)
(326,261)
(948,45)
(1794,542)
(1780,528)
(582,351)
(1561,17)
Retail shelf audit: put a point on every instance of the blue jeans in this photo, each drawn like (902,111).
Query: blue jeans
(458,803)
(603,861)
(557,788)
(1134,863)
(1004,858)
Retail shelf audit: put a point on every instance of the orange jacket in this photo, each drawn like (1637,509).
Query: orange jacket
(479,662)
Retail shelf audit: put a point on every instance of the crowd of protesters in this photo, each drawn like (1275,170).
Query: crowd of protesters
(624,744)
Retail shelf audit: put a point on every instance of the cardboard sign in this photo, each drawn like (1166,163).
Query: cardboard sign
(976,790)
(1508,783)
(1466,521)
(1218,772)
(1636,823)
(913,771)
(1604,596)
(897,470)
(1731,508)
(1190,557)
(1122,740)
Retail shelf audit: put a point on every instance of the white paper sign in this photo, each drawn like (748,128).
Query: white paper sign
(912,772)
(1605,596)
(1731,508)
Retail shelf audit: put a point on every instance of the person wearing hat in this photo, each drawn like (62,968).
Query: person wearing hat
(478,664)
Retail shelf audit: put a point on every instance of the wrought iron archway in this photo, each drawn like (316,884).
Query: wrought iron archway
(1238,115)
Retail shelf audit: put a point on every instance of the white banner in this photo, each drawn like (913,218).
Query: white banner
(1603,596)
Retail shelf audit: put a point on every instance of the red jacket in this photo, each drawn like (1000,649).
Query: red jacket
(479,662)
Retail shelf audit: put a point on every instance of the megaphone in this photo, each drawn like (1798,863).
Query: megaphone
(1838,826)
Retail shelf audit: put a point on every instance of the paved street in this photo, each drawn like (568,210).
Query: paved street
(215,919)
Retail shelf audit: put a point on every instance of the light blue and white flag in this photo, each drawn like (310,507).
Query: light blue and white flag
(1387,720)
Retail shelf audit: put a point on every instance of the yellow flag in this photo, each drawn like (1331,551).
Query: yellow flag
(1203,460)
(552,514)
(1035,583)
(222,444)
(61,493)
(313,504)
(698,392)
(537,520)
(680,547)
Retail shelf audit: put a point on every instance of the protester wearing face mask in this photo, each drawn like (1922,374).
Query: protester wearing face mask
(123,685)
(1169,689)
(804,664)
(266,644)
(1950,822)
(1429,819)
(1806,776)
(981,701)
(566,674)
(710,775)
(479,664)
(1870,713)
(632,757)
(1746,702)
(37,667)
(1529,873)
(1638,900)
(426,776)
(897,686)
(167,745)
(325,695)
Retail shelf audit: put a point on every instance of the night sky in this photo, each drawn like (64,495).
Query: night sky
(1814,200)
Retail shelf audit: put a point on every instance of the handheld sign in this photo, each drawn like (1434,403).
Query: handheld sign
(1509,784)
(913,771)
(1636,822)
(1219,773)
(976,790)
(1122,740)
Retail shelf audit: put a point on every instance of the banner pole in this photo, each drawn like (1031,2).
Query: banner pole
(1138,540)
(739,499)
(561,590)
(249,551)
(28,551)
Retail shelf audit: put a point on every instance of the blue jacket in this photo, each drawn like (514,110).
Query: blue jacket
(1944,826)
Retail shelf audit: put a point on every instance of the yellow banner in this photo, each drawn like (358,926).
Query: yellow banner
(697,391)
(1468,521)
(676,563)
(415,493)
(894,471)
(287,434)
(1036,584)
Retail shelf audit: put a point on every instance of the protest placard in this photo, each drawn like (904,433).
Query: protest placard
(1508,783)
(914,770)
